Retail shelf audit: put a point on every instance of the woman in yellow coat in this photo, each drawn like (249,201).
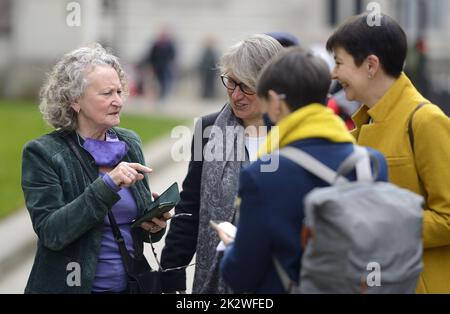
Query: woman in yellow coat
(369,64)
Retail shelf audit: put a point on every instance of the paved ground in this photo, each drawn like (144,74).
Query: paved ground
(17,239)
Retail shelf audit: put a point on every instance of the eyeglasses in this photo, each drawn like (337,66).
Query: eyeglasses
(231,84)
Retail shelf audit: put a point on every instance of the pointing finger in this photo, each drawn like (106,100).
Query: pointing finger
(140,167)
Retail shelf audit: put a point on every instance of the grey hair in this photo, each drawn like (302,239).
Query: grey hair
(67,82)
(246,58)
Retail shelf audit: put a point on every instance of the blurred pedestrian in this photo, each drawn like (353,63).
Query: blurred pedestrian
(417,66)
(207,68)
(161,57)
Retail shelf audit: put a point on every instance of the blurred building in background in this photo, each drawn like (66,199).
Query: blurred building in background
(33,34)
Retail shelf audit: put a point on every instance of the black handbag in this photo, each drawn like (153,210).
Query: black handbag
(142,279)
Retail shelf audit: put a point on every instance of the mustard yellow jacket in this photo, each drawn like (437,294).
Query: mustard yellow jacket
(426,171)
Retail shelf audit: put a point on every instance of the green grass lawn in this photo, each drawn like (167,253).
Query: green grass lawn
(20,122)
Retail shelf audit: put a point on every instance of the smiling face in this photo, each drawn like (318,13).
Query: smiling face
(100,105)
(353,79)
(245,107)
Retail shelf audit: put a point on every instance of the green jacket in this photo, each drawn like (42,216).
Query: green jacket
(68,211)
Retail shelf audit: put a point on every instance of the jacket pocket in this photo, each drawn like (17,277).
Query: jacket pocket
(402,172)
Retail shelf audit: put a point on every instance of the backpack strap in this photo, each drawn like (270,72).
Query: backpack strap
(410,129)
(360,161)
(311,164)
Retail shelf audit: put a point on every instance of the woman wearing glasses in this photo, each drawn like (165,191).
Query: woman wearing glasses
(230,140)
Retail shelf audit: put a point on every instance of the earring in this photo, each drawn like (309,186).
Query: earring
(370,76)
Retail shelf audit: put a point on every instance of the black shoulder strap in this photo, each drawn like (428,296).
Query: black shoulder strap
(116,231)
(410,129)
(75,150)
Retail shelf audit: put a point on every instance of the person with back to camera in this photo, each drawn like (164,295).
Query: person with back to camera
(294,86)
(82,99)
(397,120)
(210,186)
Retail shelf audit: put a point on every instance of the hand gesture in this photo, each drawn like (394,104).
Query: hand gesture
(126,174)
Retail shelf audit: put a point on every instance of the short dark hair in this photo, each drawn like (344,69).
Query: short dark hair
(303,77)
(387,41)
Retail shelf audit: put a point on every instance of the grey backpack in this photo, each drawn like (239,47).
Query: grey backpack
(366,235)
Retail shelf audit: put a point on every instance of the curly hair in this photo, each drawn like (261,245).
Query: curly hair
(67,82)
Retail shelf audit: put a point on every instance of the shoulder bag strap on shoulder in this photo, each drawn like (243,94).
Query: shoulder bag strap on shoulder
(410,129)
(75,150)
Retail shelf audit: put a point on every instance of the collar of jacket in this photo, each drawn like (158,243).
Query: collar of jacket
(385,107)
(312,121)
(139,189)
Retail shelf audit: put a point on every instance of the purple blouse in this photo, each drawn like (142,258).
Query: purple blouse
(110,273)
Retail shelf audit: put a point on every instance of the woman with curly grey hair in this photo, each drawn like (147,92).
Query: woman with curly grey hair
(82,99)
